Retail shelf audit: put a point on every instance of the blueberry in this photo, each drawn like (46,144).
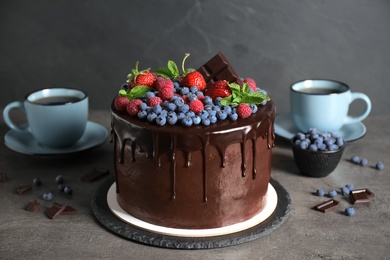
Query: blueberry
(333,147)
(228,110)
(184,108)
(142,114)
(207,100)
(350,186)
(332,193)
(206,121)
(221,115)
(172,118)
(143,106)
(37,182)
(318,140)
(150,94)
(233,116)
(355,159)
(178,101)
(363,162)
(345,190)
(190,113)
(180,116)
(157,109)
(192,97)
(187,121)
(61,187)
(340,141)
(185,91)
(320,192)
(194,89)
(350,211)
(152,117)
(171,107)
(59,179)
(196,120)
(47,196)
(254,108)
(68,190)
(380,166)
(217,101)
(301,136)
(313,148)
(203,114)
(161,120)
(303,145)
(176,84)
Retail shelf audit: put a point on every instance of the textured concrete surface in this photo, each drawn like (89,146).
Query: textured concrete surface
(94,44)
(306,234)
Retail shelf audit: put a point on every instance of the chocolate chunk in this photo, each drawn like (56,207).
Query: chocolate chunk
(95,174)
(55,210)
(22,189)
(3,177)
(33,206)
(68,210)
(361,196)
(327,206)
(219,68)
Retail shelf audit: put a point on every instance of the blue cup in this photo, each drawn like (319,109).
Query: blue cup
(56,117)
(324,104)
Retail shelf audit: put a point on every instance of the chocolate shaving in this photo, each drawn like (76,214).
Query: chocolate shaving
(360,196)
(68,210)
(327,206)
(33,206)
(95,174)
(219,68)
(22,189)
(55,210)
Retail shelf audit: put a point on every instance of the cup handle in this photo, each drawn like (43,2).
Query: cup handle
(361,117)
(14,105)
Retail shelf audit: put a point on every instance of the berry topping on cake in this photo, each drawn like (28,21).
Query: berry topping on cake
(219,88)
(168,97)
(140,78)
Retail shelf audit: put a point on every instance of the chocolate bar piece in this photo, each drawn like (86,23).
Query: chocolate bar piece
(95,174)
(219,68)
(361,196)
(22,189)
(55,210)
(33,206)
(3,177)
(327,206)
(68,210)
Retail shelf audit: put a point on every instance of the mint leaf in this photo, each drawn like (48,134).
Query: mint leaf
(172,67)
(135,92)
(163,72)
(226,101)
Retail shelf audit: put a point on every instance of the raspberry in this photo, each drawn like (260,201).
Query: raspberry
(196,106)
(163,83)
(166,93)
(251,83)
(154,101)
(133,107)
(121,102)
(244,111)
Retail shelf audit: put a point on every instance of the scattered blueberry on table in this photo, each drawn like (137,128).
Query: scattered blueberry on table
(47,196)
(350,211)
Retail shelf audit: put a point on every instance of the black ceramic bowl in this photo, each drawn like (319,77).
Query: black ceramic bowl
(316,163)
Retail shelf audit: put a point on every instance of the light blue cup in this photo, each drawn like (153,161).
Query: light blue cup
(324,104)
(56,117)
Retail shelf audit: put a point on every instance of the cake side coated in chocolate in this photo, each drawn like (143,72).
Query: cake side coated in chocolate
(193,177)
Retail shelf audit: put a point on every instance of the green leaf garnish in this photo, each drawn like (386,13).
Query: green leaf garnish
(170,71)
(242,95)
(136,92)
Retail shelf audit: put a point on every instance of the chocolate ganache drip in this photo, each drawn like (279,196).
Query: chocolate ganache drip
(155,141)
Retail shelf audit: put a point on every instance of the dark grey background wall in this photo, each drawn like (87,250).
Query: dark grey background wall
(93,44)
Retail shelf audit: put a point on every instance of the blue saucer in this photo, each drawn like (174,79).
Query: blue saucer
(285,127)
(94,135)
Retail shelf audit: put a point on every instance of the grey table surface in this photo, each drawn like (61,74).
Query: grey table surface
(306,234)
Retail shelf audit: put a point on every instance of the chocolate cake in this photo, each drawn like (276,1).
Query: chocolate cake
(196,176)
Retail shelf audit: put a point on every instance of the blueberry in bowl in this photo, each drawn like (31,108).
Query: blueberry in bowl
(317,153)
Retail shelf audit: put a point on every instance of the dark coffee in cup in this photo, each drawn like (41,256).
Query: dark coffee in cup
(56,100)
(320,91)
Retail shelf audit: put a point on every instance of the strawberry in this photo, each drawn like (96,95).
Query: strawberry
(154,101)
(196,106)
(163,83)
(251,83)
(133,107)
(121,102)
(194,78)
(219,88)
(244,110)
(166,93)
(143,77)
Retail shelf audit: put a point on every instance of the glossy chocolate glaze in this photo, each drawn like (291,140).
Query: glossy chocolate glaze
(196,177)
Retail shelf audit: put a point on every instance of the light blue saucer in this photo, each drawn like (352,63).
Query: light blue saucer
(285,127)
(94,135)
